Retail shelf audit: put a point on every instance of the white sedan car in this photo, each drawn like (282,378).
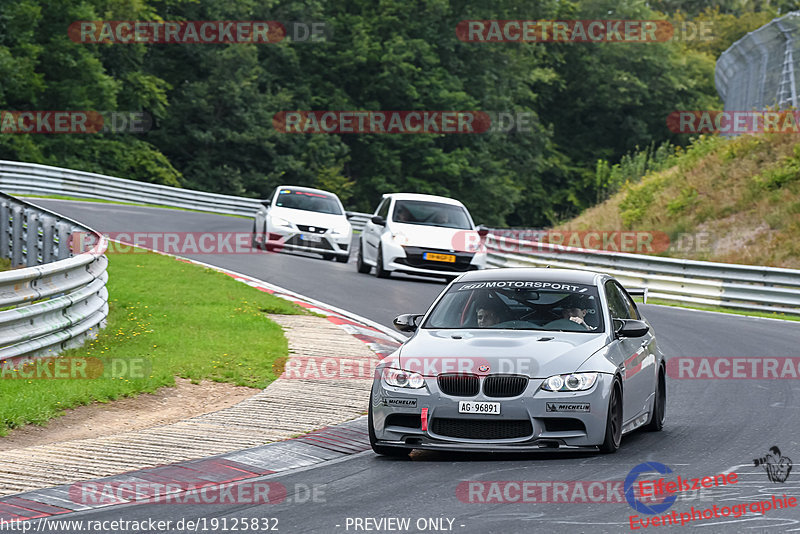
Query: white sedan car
(306,220)
(420,234)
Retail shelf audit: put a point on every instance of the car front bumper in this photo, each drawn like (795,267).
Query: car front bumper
(398,420)
(411,260)
(295,240)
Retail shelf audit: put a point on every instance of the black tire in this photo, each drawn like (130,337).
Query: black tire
(659,404)
(328,257)
(380,272)
(362,267)
(395,452)
(255,244)
(343,259)
(613,421)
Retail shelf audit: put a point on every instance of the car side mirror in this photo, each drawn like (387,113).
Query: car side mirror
(630,328)
(350,214)
(483,231)
(407,322)
(377,219)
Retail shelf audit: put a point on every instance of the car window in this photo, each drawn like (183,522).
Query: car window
(383,209)
(617,304)
(519,305)
(308,201)
(431,214)
(633,311)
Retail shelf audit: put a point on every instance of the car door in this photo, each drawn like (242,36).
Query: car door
(373,232)
(634,353)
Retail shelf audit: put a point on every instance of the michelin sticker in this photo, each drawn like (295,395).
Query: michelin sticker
(567,407)
(402,403)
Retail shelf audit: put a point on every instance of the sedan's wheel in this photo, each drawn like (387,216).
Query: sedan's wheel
(659,404)
(397,452)
(361,267)
(343,259)
(613,421)
(327,257)
(255,244)
(380,272)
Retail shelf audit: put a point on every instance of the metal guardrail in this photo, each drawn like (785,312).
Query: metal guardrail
(735,286)
(56,299)
(743,287)
(18,178)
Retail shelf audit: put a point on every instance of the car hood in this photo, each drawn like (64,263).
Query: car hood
(437,237)
(310,218)
(536,354)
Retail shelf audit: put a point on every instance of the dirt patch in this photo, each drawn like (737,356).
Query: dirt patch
(167,405)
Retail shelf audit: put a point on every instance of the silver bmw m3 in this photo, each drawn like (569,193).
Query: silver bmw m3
(520,360)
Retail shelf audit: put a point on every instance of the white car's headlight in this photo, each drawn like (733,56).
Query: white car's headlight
(278,221)
(400,238)
(570,382)
(403,379)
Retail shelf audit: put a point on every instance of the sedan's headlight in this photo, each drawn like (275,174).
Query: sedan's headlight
(571,382)
(403,379)
(400,238)
(278,221)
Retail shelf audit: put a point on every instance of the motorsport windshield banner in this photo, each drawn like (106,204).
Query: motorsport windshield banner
(526,284)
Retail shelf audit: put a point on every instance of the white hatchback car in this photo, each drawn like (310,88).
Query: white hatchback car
(306,220)
(420,234)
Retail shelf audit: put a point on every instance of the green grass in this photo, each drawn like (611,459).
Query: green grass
(720,309)
(102,201)
(5,264)
(177,319)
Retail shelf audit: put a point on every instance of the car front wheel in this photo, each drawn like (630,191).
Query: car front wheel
(361,267)
(613,435)
(659,404)
(380,272)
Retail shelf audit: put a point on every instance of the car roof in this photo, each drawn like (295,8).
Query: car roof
(306,189)
(532,274)
(424,198)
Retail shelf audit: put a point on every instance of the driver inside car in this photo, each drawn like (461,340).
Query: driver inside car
(576,315)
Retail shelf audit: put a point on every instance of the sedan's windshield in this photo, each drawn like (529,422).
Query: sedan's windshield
(430,214)
(306,200)
(519,305)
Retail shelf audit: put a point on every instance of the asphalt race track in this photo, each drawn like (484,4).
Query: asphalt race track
(713,425)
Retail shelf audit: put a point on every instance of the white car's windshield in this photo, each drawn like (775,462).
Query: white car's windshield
(308,201)
(519,305)
(430,214)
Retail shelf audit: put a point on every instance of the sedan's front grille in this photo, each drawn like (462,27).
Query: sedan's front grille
(322,244)
(482,428)
(308,229)
(504,385)
(459,385)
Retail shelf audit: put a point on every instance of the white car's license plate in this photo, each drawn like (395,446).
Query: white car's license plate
(311,238)
(489,408)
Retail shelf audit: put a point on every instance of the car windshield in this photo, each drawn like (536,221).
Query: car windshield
(431,214)
(308,201)
(519,305)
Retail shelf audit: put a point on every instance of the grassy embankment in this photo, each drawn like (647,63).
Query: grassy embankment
(167,318)
(739,196)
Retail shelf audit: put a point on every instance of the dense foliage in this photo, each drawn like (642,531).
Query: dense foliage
(213,104)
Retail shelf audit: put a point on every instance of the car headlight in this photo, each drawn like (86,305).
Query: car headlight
(278,221)
(570,382)
(400,238)
(403,379)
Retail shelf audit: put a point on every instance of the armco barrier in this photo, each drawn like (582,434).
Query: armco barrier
(55,299)
(744,287)
(736,286)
